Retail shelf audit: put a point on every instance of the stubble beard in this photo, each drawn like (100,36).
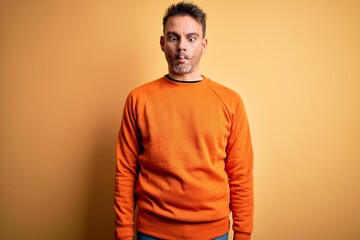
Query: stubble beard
(178,68)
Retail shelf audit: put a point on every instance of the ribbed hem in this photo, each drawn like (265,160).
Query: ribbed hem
(176,230)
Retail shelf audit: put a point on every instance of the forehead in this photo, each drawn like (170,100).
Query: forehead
(183,24)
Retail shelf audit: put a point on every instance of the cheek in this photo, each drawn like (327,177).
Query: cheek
(195,52)
(169,57)
(169,51)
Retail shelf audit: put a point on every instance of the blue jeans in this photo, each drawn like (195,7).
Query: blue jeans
(141,236)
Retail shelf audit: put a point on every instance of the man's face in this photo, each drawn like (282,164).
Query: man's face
(183,44)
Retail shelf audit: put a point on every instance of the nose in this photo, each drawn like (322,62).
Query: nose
(182,45)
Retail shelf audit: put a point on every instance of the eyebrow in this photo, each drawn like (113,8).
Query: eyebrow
(189,34)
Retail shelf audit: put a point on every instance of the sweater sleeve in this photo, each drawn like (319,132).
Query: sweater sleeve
(128,147)
(239,166)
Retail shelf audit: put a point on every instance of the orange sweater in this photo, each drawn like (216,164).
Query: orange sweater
(184,157)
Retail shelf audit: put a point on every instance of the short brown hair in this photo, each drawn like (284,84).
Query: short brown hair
(186,9)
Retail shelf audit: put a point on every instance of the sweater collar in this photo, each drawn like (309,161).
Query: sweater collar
(184,84)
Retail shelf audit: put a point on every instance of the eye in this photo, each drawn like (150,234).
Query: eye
(191,39)
(172,38)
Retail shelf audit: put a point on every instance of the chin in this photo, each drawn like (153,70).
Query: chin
(181,69)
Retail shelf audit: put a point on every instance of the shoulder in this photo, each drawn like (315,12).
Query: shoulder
(139,95)
(228,96)
(143,92)
(146,89)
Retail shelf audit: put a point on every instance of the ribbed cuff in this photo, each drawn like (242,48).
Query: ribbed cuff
(242,236)
(123,233)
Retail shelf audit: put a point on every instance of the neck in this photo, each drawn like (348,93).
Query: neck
(191,76)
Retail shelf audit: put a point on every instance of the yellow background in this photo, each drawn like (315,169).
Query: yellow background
(67,66)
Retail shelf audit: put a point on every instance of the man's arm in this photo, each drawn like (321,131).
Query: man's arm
(128,147)
(239,166)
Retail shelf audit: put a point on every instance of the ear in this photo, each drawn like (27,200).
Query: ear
(204,44)
(162,43)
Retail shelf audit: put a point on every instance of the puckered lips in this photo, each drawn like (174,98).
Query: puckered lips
(181,59)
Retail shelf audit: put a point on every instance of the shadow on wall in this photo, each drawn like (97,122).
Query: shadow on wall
(100,214)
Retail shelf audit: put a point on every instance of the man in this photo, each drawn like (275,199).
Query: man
(184,153)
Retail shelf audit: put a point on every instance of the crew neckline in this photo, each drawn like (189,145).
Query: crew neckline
(181,81)
(185,84)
